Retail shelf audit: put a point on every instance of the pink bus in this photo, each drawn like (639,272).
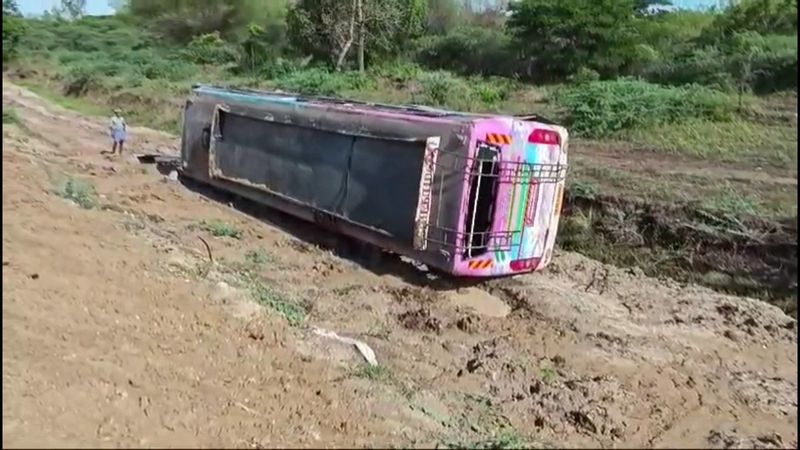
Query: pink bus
(468,194)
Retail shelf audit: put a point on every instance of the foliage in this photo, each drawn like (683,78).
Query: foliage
(181,20)
(319,81)
(13,30)
(554,38)
(745,62)
(80,192)
(209,49)
(261,49)
(10,116)
(603,108)
(468,50)
(73,8)
(268,297)
(761,16)
(221,229)
(330,29)
(443,15)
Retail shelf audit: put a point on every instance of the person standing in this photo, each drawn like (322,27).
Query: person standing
(118,130)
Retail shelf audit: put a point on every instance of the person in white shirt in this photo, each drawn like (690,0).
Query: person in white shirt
(118,130)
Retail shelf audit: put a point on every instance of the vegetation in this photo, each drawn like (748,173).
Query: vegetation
(293,313)
(10,116)
(705,87)
(80,192)
(221,229)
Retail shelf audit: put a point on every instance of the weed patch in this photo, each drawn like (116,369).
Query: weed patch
(506,439)
(548,374)
(80,192)
(10,116)
(294,314)
(604,108)
(374,373)
(258,257)
(219,228)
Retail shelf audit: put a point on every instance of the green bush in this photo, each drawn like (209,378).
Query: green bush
(760,16)
(317,81)
(706,65)
(209,49)
(442,88)
(14,29)
(771,62)
(468,50)
(603,108)
(79,80)
(398,71)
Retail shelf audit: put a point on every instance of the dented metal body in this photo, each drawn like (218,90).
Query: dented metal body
(441,187)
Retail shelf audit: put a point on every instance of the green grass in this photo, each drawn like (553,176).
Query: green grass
(220,228)
(739,196)
(548,374)
(81,105)
(738,141)
(374,373)
(258,257)
(80,192)
(10,116)
(506,439)
(292,312)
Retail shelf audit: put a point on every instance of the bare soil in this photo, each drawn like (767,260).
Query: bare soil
(119,331)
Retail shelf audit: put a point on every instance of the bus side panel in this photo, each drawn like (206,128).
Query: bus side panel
(366,188)
(366,180)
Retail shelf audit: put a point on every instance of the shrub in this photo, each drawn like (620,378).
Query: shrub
(468,50)
(492,91)
(14,29)
(79,80)
(760,16)
(762,63)
(80,192)
(209,49)
(317,81)
(705,65)
(441,88)
(602,108)
(397,71)
(555,38)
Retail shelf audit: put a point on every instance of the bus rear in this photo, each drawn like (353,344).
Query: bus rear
(512,196)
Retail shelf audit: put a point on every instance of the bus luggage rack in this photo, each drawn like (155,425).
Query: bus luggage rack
(483,176)
(471,242)
(510,172)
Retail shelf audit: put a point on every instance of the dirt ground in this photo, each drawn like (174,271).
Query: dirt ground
(118,331)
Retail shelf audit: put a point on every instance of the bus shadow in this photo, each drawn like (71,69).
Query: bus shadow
(362,254)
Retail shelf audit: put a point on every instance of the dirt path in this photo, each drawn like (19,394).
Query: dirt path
(117,330)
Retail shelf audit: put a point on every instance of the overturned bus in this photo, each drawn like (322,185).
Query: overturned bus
(468,194)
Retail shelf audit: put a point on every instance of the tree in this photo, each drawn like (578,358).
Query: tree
(328,29)
(118,5)
(181,20)
(645,6)
(443,15)
(554,38)
(761,16)
(13,29)
(73,8)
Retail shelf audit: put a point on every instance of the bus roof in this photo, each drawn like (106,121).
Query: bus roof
(258,96)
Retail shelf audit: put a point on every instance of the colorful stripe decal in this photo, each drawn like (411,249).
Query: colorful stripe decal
(530,214)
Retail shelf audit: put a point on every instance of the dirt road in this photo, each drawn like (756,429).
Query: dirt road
(119,331)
